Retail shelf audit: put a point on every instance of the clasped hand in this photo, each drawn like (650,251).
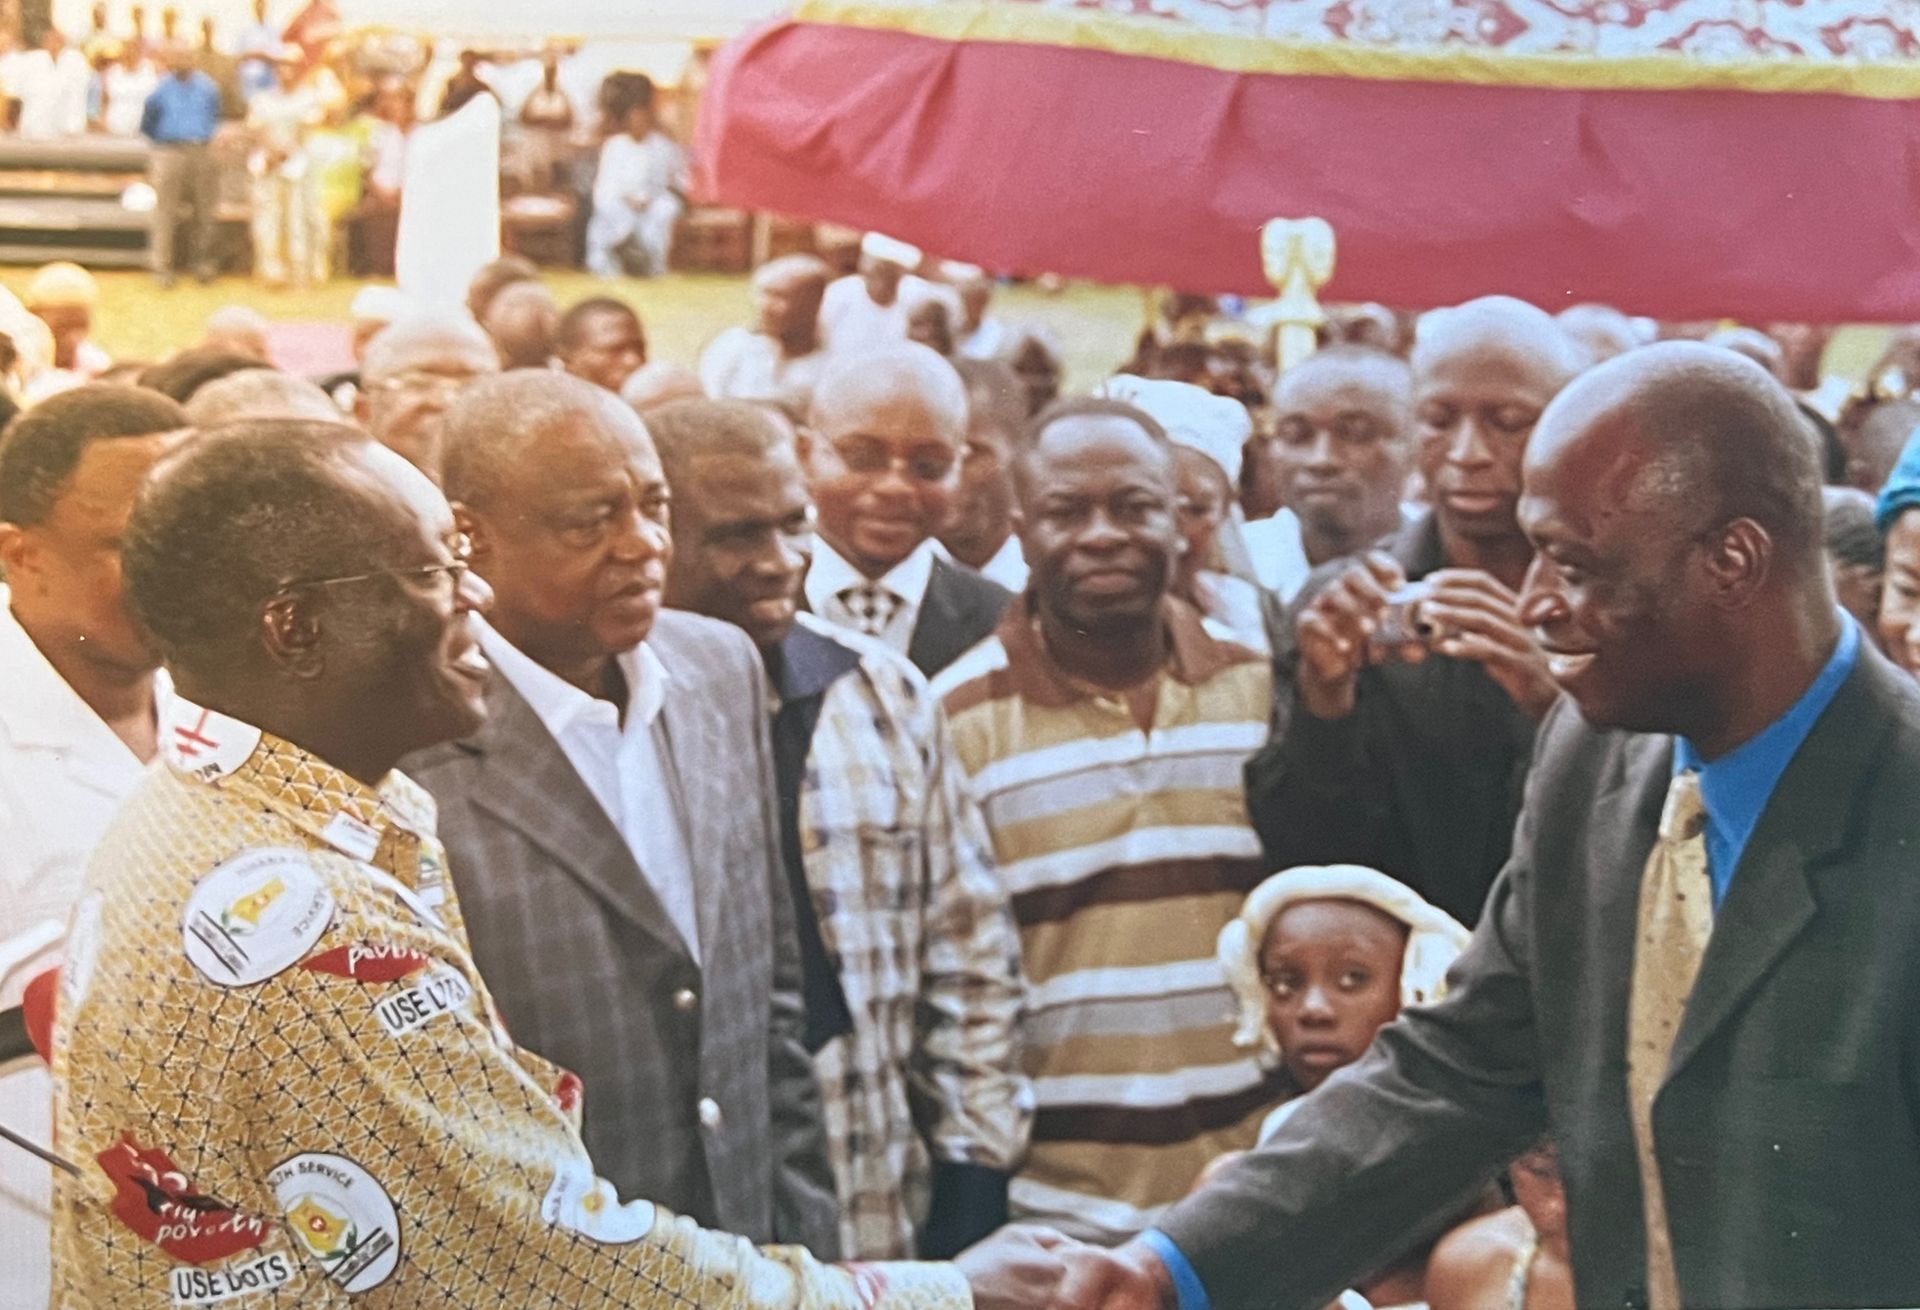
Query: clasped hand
(1472,617)
(1031,1268)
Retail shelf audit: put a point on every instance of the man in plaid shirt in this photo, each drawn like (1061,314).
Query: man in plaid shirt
(911,959)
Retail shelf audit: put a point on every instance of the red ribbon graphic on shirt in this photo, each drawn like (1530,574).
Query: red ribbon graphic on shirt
(158,1202)
(369,962)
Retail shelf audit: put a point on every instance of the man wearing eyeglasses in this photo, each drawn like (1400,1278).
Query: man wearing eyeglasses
(907,945)
(79,703)
(612,828)
(882,453)
(280,1077)
(412,371)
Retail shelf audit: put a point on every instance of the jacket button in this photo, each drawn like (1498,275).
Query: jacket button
(684,1000)
(709,1112)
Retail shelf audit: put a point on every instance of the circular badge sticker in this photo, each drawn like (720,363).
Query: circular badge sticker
(255,915)
(340,1218)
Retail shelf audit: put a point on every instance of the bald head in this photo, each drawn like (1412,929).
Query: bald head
(1522,333)
(497,421)
(412,370)
(522,319)
(883,457)
(1694,434)
(686,431)
(1602,329)
(239,330)
(1678,583)
(405,343)
(791,270)
(786,300)
(1755,345)
(260,393)
(559,489)
(660,383)
(907,376)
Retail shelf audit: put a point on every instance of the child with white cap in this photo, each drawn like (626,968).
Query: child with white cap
(1321,959)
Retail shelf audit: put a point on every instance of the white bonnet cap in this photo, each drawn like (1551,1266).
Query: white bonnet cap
(1216,426)
(1434,939)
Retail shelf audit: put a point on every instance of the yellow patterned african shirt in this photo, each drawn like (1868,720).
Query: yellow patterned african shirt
(285,1084)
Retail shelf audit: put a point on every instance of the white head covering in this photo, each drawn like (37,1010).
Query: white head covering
(380,305)
(877,245)
(1434,939)
(1216,426)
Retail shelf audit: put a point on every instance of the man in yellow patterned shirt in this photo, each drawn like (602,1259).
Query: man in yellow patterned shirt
(277,1073)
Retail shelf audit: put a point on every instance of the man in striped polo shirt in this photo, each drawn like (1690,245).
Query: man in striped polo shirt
(1103,731)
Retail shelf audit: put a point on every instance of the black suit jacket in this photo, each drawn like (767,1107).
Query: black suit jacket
(960,610)
(1788,1127)
(1422,781)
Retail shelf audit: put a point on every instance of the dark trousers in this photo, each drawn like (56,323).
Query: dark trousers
(186,185)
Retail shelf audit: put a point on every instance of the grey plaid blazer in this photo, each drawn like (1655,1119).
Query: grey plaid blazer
(588,971)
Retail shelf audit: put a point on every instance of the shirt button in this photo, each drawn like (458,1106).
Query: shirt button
(684,1000)
(709,1112)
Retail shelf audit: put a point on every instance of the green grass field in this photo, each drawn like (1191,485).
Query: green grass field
(1095,325)
(137,320)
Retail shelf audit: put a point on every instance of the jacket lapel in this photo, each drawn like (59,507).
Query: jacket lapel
(1770,901)
(527,782)
(688,734)
(930,647)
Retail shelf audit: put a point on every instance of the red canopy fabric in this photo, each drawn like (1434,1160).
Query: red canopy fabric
(1652,154)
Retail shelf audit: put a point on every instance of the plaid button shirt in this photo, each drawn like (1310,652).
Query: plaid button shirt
(911,911)
(283,1082)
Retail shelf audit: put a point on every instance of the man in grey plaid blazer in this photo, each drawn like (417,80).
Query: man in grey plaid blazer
(611,830)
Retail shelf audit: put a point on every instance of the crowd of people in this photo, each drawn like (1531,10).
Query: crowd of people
(860,825)
(318,123)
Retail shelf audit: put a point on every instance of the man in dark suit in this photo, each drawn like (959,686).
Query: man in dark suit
(612,830)
(882,453)
(1696,967)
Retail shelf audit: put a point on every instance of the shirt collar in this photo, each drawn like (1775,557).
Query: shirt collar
(41,708)
(1193,655)
(830,574)
(809,659)
(558,703)
(1736,787)
(338,809)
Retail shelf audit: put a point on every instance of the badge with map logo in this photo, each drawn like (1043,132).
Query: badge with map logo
(340,1218)
(255,915)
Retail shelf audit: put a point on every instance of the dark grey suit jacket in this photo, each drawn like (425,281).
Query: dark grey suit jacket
(589,972)
(960,610)
(1788,1128)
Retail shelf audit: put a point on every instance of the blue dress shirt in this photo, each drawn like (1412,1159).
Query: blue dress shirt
(1736,787)
(182,112)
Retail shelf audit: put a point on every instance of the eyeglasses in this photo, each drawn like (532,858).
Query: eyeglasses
(870,455)
(456,568)
(444,385)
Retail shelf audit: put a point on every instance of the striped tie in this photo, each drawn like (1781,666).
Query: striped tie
(1676,918)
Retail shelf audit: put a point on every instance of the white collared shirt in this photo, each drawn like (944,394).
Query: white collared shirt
(1008,567)
(620,763)
(830,574)
(63,774)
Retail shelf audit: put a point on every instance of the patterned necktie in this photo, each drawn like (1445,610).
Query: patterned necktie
(1676,918)
(871,606)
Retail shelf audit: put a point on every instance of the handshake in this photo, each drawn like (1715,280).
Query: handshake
(1024,1267)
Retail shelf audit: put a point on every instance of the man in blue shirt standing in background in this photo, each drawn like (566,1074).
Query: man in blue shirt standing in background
(179,119)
